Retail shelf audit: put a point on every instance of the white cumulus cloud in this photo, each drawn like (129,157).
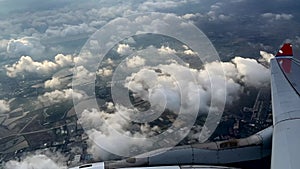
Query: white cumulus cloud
(266,56)
(4,106)
(135,61)
(104,72)
(27,65)
(190,52)
(25,46)
(251,72)
(166,50)
(124,49)
(151,85)
(53,83)
(275,17)
(37,161)
(58,96)
(105,129)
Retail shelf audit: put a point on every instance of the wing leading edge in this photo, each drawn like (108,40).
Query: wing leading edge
(286,109)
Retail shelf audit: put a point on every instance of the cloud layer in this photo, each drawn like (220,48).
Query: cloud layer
(169,86)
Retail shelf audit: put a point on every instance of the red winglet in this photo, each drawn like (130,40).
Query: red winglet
(284,56)
(286,50)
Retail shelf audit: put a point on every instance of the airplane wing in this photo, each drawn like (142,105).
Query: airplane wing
(285,86)
(101,165)
(198,156)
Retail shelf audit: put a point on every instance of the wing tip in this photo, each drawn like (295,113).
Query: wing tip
(284,57)
(286,50)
